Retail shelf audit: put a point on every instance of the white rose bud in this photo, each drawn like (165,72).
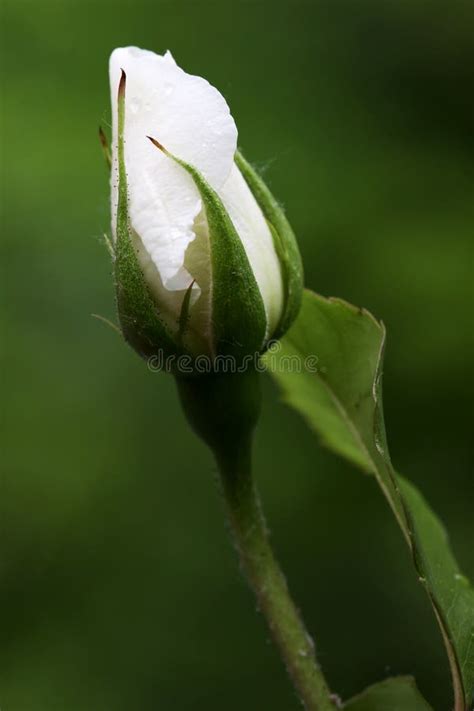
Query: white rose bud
(205,260)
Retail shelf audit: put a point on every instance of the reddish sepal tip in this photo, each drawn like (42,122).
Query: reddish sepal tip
(156,143)
(122,83)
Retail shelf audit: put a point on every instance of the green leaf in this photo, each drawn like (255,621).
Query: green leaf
(238,313)
(284,241)
(450,591)
(342,403)
(397,694)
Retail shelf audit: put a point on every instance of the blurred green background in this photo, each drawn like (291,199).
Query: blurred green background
(119,589)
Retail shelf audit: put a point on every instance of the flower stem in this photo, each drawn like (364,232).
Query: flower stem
(261,568)
(223,410)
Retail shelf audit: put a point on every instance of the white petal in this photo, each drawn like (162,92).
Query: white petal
(192,120)
(257,239)
(169,57)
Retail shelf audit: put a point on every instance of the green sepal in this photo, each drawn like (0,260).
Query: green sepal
(139,320)
(239,320)
(238,313)
(284,242)
(105,147)
(183,321)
